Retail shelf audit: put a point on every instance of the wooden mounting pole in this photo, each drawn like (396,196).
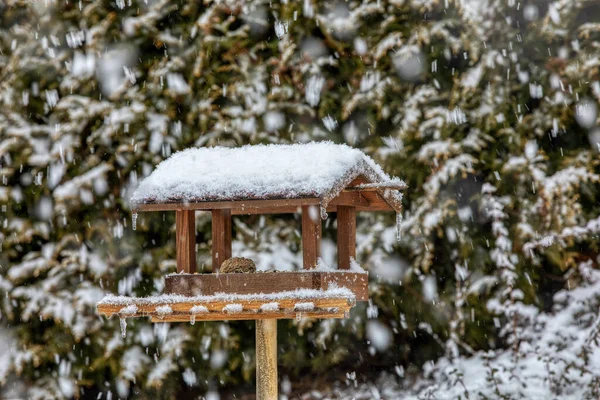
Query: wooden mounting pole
(185,240)
(311,236)
(346,235)
(266,359)
(221,237)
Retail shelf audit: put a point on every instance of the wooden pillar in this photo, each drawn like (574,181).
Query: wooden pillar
(311,236)
(346,235)
(221,237)
(266,359)
(185,238)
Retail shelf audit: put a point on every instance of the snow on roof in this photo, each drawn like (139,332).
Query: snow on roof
(315,169)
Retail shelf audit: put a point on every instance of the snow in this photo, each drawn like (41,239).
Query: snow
(166,299)
(164,310)
(409,63)
(330,123)
(189,377)
(273,120)
(129,310)
(360,46)
(281,28)
(233,308)
(73,188)
(314,85)
(305,306)
(379,335)
(198,310)
(270,307)
(586,113)
(255,172)
(177,84)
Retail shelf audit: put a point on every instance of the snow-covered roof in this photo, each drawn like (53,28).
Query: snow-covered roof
(312,170)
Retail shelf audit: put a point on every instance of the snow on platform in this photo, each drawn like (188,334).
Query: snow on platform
(309,303)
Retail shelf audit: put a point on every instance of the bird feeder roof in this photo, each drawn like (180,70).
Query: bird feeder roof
(317,170)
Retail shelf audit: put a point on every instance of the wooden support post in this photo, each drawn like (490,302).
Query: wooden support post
(185,239)
(221,237)
(346,235)
(266,359)
(311,236)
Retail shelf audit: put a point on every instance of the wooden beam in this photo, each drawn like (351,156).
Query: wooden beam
(346,236)
(185,238)
(284,306)
(362,200)
(238,205)
(376,202)
(248,316)
(344,199)
(267,210)
(266,359)
(371,187)
(311,236)
(266,282)
(221,237)
(187,311)
(349,199)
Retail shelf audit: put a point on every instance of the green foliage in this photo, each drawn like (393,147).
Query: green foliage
(94,94)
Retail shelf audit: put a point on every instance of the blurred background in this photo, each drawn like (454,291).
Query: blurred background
(487,109)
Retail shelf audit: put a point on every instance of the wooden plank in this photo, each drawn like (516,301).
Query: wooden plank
(247,316)
(362,200)
(221,237)
(266,282)
(346,236)
(266,360)
(371,187)
(254,306)
(267,210)
(311,236)
(331,207)
(376,202)
(350,199)
(185,238)
(237,205)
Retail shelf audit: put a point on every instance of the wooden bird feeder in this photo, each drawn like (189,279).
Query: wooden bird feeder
(312,179)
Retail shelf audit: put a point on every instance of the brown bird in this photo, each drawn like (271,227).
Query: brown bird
(237,265)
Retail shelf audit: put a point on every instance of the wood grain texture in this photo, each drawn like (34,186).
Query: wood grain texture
(266,360)
(221,237)
(248,316)
(185,231)
(363,200)
(346,236)
(250,310)
(284,305)
(311,236)
(237,205)
(375,200)
(266,282)
(349,199)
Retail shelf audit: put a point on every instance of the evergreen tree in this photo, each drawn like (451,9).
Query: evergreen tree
(487,109)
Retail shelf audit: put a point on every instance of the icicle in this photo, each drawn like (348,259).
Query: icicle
(192,319)
(298,316)
(123,327)
(134,220)
(398,226)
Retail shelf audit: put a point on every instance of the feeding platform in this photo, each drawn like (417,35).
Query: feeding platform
(308,303)
(313,180)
